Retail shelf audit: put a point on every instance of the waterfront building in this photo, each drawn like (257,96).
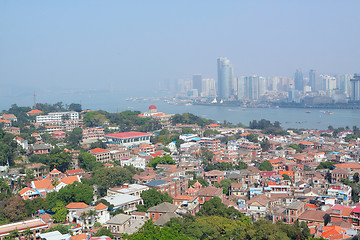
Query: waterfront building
(225,78)
(355,88)
(197,83)
(315,80)
(241,87)
(299,80)
(208,87)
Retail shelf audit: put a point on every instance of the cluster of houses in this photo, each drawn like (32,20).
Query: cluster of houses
(293,190)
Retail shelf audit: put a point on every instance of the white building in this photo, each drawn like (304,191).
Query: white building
(137,162)
(57,117)
(128,139)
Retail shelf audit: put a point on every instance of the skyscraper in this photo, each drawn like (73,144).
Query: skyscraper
(355,88)
(315,80)
(241,87)
(196,82)
(299,80)
(225,78)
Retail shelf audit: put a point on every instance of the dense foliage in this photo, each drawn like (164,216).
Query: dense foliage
(152,197)
(167,159)
(126,120)
(188,118)
(325,165)
(265,166)
(8,148)
(106,178)
(267,127)
(216,221)
(57,157)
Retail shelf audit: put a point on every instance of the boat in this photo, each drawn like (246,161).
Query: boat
(308,111)
(329,112)
(244,109)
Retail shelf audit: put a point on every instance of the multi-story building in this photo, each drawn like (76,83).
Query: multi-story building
(93,133)
(355,88)
(101,155)
(225,78)
(57,117)
(128,139)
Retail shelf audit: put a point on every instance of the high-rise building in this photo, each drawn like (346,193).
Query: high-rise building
(299,80)
(315,80)
(208,88)
(225,78)
(344,83)
(196,82)
(241,87)
(355,88)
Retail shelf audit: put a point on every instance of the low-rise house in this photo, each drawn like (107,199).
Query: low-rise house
(28,193)
(67,181)
(312,216)
(258,207)
(23,143)
(118,224)
(239,190)
(43,186)
(187,204)
(137,162)
(161,209)
(125,202)
(131,189)
(207,193)
(214,176)
(41,148)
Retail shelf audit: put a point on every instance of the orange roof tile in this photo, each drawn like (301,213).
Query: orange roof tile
(76,205)
(79,237)
(98,150)
(43,184)
(25,189)
(100,206)
(55,171)
(34,111)
(70,179)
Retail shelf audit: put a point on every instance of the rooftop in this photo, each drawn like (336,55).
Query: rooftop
(128,134)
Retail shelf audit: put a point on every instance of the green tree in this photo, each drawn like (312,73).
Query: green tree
(151,198)
(88,162)
(104,232)
(74,137)
(325,165)
(106,178)
(60,212)
(167,159)
(76,192)
(265,166)
(265,145)
(75,107)
(63,229)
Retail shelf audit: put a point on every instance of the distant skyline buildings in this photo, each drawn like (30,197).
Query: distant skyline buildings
(312,87)
(355,88)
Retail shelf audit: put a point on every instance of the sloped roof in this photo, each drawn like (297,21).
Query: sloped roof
(70,179)
(25,189)
(100,206)
(164,207)
(261,199)
(43,184)
(119,219)
(165,218)
(76,205)
(313,215)
(209,191)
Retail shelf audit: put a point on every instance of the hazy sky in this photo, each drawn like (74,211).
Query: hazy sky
(129,45)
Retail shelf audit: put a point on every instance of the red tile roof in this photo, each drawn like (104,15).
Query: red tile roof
(43,184)
(76,205)
(98,150)
(34,111)
(70,179)
(100,206)
(74,171)
(128,134)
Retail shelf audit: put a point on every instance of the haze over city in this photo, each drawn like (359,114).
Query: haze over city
(52,47)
